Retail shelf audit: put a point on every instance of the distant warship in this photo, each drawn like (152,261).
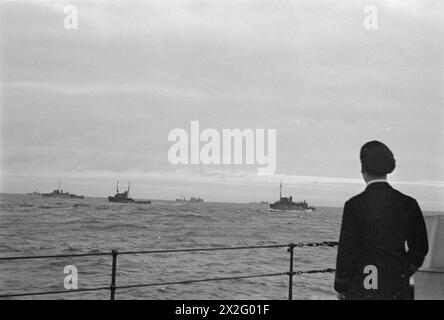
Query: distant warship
(287,204)
(123,197)
(35,193)
(192,199)
(181,198)
(58,193)
(260,202)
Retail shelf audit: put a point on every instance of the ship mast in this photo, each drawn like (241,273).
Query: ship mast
(117,188)
(59,186)
(129,183)
(280,191)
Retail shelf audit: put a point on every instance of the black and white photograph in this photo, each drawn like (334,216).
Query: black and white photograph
(222,155)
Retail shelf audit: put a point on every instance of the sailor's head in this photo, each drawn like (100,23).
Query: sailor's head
(377,160)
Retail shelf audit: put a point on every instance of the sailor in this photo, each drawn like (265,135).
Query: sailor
(372,260)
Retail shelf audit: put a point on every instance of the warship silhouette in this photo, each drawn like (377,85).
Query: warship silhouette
(287,204)
(181,198)
(58,193)
(34,193)
(192,199)
(123,197)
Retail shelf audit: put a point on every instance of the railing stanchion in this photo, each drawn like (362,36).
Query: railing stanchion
(114,253)
(112,288)
(290,273)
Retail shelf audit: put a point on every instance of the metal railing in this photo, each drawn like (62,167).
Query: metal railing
(114,254)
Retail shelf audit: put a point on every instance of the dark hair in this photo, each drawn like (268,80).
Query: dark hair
(377,159)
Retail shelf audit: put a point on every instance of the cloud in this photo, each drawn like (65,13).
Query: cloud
(230,176)
(105,88)
(104,97)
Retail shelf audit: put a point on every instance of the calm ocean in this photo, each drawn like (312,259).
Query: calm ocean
(31,225)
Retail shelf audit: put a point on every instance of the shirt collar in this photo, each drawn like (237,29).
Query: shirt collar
(375,181)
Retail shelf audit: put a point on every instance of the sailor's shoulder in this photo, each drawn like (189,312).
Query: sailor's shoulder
(404,197)
(355,199)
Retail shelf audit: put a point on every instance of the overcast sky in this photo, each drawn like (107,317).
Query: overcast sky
(95,105)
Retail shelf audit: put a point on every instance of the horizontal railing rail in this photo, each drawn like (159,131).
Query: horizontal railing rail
(114,253)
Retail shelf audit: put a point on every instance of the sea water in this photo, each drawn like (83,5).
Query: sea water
(32,225)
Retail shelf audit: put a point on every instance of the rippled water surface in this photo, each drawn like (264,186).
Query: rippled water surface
(31,225)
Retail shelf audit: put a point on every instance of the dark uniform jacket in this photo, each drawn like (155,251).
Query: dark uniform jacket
(376,226)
